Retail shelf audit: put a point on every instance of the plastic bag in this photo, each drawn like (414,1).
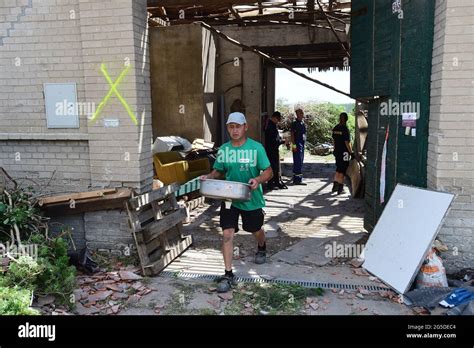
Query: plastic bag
(432,272)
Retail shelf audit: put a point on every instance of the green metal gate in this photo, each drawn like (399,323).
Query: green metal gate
(391,52)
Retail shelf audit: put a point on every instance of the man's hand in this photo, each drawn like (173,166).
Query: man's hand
(253,183)
(294,148)
(215,174)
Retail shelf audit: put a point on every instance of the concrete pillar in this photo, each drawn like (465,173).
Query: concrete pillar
(451,129)
(183,82)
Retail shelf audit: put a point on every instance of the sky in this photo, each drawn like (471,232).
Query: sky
(297,89)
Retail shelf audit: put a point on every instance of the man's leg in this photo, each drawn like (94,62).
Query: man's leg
(252,221)
(261,255)
(302,156)
(229,224)
(335,184)
(228,248)
(297,165)
(273,157)
(298,176)
(260,237)
(302,160)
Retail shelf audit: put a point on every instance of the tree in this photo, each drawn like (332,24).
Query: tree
(320,119)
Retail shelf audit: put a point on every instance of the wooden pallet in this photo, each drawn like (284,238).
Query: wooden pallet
(155,219)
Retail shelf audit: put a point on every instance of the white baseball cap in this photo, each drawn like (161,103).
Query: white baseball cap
(236,117)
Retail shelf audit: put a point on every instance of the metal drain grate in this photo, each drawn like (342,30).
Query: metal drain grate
(306,284)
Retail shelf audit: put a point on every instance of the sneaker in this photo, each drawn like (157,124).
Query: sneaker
(260,257)
(282,186)
(225,283)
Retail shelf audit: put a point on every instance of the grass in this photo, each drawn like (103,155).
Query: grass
(271,299)
(180,299)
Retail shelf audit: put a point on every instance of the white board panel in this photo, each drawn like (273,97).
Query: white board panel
(404,234)
(60,100)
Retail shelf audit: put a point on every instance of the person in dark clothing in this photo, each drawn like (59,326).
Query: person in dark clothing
(272,144)
(342,152)
(298,138)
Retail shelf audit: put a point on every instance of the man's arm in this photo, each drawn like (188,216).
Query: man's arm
(266,175)
(215,174)
(347,141)
(349,146)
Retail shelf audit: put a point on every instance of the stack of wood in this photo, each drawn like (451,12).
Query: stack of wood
(156,221)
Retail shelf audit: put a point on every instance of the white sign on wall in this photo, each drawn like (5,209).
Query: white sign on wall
(60,100)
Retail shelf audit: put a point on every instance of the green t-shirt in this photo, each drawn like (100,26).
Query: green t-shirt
(241,164)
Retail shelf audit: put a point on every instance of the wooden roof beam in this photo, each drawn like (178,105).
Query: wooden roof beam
(204,3)
(237,16)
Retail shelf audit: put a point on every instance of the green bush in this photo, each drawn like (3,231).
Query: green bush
(23,273)
(20,213)
(57,277)
(15,301)
(50,274)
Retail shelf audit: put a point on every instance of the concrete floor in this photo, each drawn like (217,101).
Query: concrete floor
(300,223)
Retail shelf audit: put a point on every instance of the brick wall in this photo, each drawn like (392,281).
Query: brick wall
(108,230)
(50,166)
(52,41)
(451,139)
(59,41)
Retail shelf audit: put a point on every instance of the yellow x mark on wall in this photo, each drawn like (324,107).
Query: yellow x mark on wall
(113,90)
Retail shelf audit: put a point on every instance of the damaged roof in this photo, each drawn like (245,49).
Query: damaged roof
(245,12)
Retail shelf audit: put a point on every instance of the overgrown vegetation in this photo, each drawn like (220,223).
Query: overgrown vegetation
(37,263)
(15,301)
(58,277)
(270,299)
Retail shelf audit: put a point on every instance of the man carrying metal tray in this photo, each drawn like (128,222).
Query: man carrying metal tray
(243,160)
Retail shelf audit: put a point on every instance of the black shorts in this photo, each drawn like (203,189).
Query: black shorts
(341,165)
(252,220)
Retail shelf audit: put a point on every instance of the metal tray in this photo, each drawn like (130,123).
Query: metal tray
(225,189)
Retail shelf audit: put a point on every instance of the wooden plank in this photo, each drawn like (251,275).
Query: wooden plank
(147,213)
(156,267)
(157,213)
(109,201)
(173,202)
(74,196)
(147,198)
(156,228)
(173,235)
(142,255)
(156,255)
(158,243)
(133,219)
